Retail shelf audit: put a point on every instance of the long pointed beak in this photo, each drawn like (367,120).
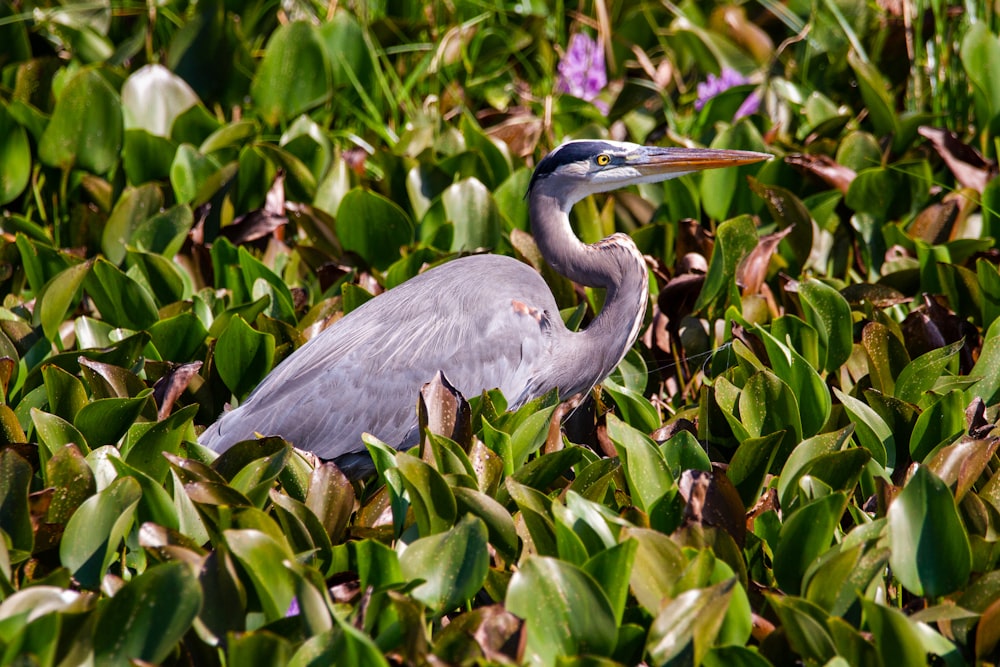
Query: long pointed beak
(656,160)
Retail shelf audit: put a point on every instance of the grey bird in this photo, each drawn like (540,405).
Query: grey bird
(485,321)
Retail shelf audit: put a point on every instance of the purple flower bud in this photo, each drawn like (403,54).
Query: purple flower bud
(582,72)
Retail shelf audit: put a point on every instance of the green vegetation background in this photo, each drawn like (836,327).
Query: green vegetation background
(795,465)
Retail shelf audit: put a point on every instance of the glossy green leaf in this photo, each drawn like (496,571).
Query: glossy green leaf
(122,300)
(940,423)
(15,157)
(135,206)
(243,356)
(689,622)
(805,535)
(294,75)
(57,296)
(373,227)
(86,128)
(262,558)
(645,468)
(930,547)
(15,519)
(549,595)
(453,564)
(920,374)
(432,500)
(830,314)
(735,239)
(96,529)
(105,421)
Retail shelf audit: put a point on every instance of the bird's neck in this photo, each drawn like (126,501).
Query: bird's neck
(613,263)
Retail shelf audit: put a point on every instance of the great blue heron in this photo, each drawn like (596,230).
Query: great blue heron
(485,321)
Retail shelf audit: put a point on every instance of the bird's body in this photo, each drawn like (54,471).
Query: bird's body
(485,321)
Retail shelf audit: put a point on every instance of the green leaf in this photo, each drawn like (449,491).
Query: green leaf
(94,532)
(373,226)
(805,535)
(294,75)
(453,565)
(499,524)
(105,421)
(15,157)
(86,129)
(243,356)
(940,423)
(191,174)
(15,518)
(870,429)
(689,622)
(135,206)
(659,563)
(922,373)
(469,207)
(565,611)
(65,392)
(57,296)
(55,432)
(432,499)
(830,314)
(930,547)
(734,240)
(646,470)
(263,558)
(153,97)
(122,301)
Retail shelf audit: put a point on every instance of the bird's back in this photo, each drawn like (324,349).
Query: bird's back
(486,321)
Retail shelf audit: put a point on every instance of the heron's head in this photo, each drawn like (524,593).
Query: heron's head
(580,168)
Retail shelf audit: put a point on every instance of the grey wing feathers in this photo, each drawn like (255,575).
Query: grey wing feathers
(365,372)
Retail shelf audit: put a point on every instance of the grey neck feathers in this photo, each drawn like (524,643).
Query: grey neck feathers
(614,264)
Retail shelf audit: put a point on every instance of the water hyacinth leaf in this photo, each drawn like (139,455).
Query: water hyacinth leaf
(734,240)
(430,496)
(499,524)
(930,546)
(55,432)
(15,157)
(165,232)
(123,301)
(565,611)
(294,75)
(86,129)
(331,498)
(920,374)
(243,356)
(303,530)
(768,405)
(940,423)
(133,207)
(805,535)
(155,504)
(166,282)
(807,386)
(683,452)
(453,564)
(751,464)
(806,625)
(689,622)
(344,643)
(68,472)
(178,338)
(897,635)
(870,429)
(373,226)
(58,296)
(95,530)
(659,563)
(469,207)
(165,436)
(152,99)
(262,558)
(65,392)
(802,457)
(829,314)
(612,569)
(191,173)
(15,519)
(105,421)
(645,468)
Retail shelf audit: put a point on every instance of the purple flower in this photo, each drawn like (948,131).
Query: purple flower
(714,85)
(750,105)
(581,71)
(293,609)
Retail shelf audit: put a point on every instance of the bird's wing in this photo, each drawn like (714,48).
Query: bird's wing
(484,321)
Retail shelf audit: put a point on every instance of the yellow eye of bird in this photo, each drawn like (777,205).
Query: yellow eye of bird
(603,160)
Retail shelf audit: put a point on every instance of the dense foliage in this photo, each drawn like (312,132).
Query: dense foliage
(797,464)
